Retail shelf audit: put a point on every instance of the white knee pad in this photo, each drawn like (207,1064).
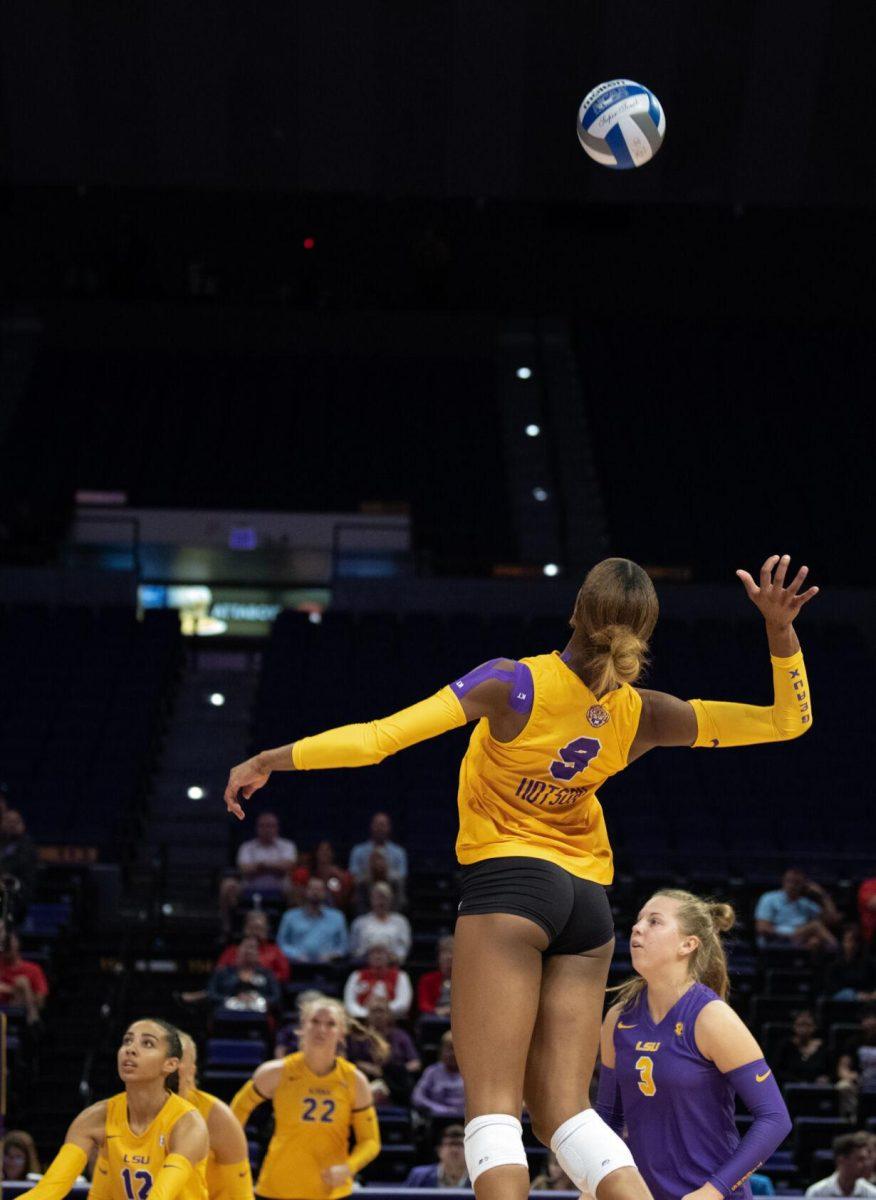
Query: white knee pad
(495,1140)
(588,1150)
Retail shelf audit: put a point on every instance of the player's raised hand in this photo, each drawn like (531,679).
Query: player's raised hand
(778,604)
(244,779)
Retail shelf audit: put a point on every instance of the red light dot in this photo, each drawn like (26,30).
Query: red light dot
(309,243)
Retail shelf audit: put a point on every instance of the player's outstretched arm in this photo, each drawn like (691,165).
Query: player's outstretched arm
(85,1133)
(668,721)
(484,692)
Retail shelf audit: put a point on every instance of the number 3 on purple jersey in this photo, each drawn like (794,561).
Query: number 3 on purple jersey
(576,756)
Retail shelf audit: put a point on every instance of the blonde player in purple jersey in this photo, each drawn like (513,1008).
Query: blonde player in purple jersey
(675,1056)
(534,936)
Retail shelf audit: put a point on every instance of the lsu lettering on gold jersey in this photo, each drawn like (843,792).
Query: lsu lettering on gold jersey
(312,1122)
(536,796)
(129,1163)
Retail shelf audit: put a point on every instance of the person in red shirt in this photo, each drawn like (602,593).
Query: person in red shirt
(22,983)
(867,908)
(379,978)
(271,957)
(339,883)
(433,990)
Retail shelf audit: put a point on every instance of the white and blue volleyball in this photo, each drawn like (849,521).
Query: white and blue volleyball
(621,124)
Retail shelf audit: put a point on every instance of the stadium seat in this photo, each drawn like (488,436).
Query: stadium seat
(392,1164)
(815,1133)
(234,1052)
(811,1099)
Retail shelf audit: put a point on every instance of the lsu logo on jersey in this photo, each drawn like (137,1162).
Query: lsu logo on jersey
(648,1047)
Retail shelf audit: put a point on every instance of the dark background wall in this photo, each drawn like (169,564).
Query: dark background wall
(766,103)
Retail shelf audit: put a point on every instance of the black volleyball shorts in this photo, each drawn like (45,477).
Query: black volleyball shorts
(573,912)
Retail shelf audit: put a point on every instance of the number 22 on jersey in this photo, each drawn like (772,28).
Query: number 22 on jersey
(310,1110)
(645,1067)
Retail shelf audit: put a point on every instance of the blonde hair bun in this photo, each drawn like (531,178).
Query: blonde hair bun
(723,916)
(622,651)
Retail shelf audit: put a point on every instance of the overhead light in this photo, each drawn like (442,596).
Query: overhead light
(532,430)
(539,493)
(551,569)
(315,618)
(524,373)
(195,793)
(217,699)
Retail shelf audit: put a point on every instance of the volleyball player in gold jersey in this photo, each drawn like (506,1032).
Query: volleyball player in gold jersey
(534,937)
(318,1099)
(151,1144)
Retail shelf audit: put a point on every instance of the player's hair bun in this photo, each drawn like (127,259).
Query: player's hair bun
(723,916)
(620,655)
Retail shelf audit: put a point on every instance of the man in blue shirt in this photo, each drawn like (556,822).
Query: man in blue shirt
(799,913)
(395,855)
(316,932)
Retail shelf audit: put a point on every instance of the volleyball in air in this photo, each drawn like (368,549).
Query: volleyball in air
(621,124)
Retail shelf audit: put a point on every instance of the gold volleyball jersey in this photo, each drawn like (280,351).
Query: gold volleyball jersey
(132,1161)
(536,795)
(204,1102)
(312,1121)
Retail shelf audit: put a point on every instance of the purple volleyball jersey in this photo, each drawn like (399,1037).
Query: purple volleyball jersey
(678,1107)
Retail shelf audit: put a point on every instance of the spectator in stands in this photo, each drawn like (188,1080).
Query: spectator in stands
(18,858)
(378,978)
(440,1091)
(851,1153)
(867,909)
(339,883)
(396,856)
(384,1054)
(553,1178)
(872,1140)
(255,924)
(264,863)
(433,990)
(381,926)
(315,932)
(449,1170)
(803,1057)
(22,983)
(761,1185)
(800,913)
(271,957)
(20,1159)
(856,1067)
(247,985)
(378,872)
(852,975)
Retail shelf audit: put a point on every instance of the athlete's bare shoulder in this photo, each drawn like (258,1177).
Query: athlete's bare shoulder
(268,1076)
(90,1125)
